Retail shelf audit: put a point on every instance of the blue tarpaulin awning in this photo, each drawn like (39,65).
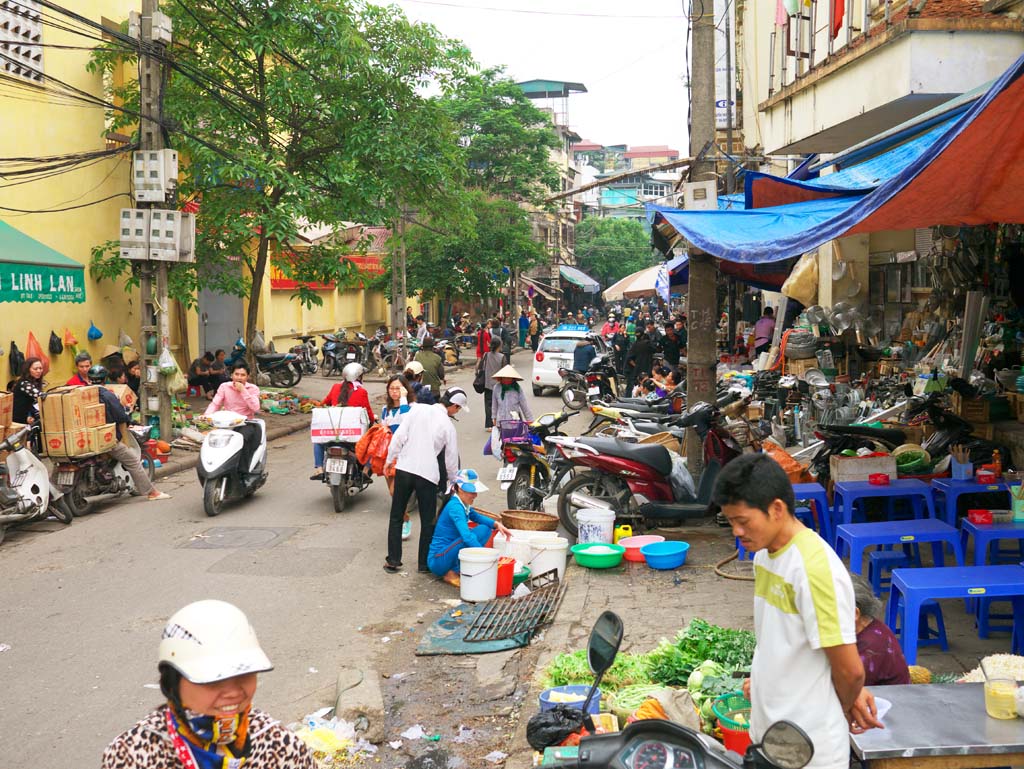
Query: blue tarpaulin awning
(579,278)
(970,174)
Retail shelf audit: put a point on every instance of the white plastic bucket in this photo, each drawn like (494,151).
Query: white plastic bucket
(519,548)
(595,525)
(478,573)
(547,554)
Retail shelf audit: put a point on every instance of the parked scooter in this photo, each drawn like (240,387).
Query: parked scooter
(659,743)
(635,479)
(600,382)
(536,468)
(82,477)
(306,353)
(26,493)
(283,368)
(219,467)
(343,473)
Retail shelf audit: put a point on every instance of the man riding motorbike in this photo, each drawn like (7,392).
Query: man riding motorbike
(126,450)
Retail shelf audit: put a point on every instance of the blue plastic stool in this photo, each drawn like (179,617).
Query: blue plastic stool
(880,562)
(806,516)
(983,618)
(926,635)
(744,555)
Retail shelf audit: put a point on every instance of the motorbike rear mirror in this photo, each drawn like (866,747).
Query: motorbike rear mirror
(787,746)
(605,639)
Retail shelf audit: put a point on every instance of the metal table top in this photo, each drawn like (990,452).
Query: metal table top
(937,720)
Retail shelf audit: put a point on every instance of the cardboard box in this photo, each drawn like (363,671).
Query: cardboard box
(64,409)
(859,468)
(125,394)
(104,437)
(755,410)
(88,396)
(79,442)
(95,415)
(6,408)
(11,429)
(55,444)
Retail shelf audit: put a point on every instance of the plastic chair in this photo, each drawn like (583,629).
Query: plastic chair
(926,636)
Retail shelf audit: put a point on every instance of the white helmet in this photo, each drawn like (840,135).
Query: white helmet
(209,641)
(353,372)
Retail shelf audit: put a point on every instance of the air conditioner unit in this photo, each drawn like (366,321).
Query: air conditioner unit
(134,233)
(700,195)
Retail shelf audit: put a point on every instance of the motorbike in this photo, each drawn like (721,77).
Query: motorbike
(306,353)
(599,382)
(83,477)
(26,493)
(218,468)
(655,742)
(449,351)
(329,350)
(533,470)
(373,355)
(342,473)
(284,369)
(635,479)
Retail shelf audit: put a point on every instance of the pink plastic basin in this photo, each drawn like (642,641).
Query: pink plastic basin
(633,545)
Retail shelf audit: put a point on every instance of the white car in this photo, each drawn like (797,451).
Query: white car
(555,351)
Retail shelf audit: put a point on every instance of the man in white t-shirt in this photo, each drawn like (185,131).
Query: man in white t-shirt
(806,667)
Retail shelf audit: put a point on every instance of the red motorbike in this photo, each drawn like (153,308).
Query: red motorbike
(636,480)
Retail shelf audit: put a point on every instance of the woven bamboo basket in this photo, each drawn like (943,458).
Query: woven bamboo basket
(529,520)
(666,439)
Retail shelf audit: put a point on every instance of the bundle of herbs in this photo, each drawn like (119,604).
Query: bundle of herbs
(673,662)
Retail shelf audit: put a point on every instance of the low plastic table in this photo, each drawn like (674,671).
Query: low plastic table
(920,585)
(860,535)
(815,493)
(952,490)
(848,493)
(985,534)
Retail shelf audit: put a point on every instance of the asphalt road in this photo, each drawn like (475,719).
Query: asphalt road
(82,607)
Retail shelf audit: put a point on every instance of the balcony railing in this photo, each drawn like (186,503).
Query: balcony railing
(806,41)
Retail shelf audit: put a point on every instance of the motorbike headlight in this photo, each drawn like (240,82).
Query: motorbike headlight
(219,441)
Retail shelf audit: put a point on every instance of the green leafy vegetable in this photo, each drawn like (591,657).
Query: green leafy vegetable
(572,668)
(673,662)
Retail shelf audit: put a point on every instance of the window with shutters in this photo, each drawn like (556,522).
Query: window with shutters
(21,34)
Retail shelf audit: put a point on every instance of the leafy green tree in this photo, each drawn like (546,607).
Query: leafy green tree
(612,248)
(297,112)
(470,262)
(507,140)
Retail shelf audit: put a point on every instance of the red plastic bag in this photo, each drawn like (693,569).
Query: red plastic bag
(69,338)
(35,350)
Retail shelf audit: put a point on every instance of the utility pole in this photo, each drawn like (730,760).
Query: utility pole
(153,278)
(701,302)
(398,288)
(730,176)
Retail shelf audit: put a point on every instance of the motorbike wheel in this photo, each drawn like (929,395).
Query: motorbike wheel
(519,496)
(594,484)
(537,391)
(312,367)
(339,496)
(284,377)
(60,510)
(213,500)
(394,361)
(3,531)
(76,499)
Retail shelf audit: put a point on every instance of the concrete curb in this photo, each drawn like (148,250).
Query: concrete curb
(188,462)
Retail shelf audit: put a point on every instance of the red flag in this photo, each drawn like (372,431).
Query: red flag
(838,9)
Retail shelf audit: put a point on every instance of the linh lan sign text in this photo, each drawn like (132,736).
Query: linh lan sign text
(39,283)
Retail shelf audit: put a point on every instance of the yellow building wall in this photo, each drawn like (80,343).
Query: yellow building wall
(32,125)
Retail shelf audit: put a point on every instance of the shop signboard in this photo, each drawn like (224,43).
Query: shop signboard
(41,283)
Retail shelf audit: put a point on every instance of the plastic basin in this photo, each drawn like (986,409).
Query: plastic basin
(600,560)
(665,555)
(578,689)
(633,545)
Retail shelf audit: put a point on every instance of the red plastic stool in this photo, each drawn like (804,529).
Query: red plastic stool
(193,392)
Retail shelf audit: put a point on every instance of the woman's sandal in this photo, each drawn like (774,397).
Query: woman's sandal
(390,567)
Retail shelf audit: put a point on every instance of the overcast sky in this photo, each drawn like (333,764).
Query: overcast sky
(629,55)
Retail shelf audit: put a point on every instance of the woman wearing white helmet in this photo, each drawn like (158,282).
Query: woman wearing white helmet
(209,659)
(348,392)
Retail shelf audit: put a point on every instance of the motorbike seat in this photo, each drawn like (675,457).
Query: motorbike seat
(654,456)
(270,357)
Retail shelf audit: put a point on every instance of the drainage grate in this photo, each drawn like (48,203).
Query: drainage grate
(508,617)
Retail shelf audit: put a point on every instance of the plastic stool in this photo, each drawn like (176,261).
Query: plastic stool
(806,516)
(984,616)
(880,562)
(193,392)
(744,555)
(926,636)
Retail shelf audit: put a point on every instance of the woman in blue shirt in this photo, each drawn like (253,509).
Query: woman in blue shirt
(452,531)
(399,394)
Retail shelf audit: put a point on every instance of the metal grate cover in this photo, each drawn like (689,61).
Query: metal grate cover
(508,617)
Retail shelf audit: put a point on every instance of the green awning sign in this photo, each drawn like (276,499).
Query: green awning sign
(38,283)
(31,271)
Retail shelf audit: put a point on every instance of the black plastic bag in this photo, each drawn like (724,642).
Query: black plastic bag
(551,727)
(17,359)
(56,346)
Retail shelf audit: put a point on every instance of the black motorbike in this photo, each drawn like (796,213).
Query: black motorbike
(654,742)
(539,468)
(343,473)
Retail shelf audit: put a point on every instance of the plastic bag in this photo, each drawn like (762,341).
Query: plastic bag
(17,359)
(69,338)
(123,340)
(56,346)
(94,333)
(258,344)
(35,350)
(166,363)
(680,479)
(802,283)
(178,382)
(551,727)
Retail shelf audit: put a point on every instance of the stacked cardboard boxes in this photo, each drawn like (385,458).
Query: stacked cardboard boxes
(74,422)
(7,425)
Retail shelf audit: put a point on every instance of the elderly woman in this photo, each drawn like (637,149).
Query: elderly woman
(452,531)
(209,660)
(878,648)
(508,402)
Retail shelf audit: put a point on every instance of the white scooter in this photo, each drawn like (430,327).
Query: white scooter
(218,466)
(25,490)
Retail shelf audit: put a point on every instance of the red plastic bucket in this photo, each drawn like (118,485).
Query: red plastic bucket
(506,568)
(736,740)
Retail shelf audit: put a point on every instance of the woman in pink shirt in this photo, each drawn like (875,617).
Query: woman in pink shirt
(238,395)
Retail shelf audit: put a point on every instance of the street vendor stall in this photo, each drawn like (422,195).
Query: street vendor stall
(939,726)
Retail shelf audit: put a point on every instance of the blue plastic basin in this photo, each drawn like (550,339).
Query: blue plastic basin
(580,689)
(665,555)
